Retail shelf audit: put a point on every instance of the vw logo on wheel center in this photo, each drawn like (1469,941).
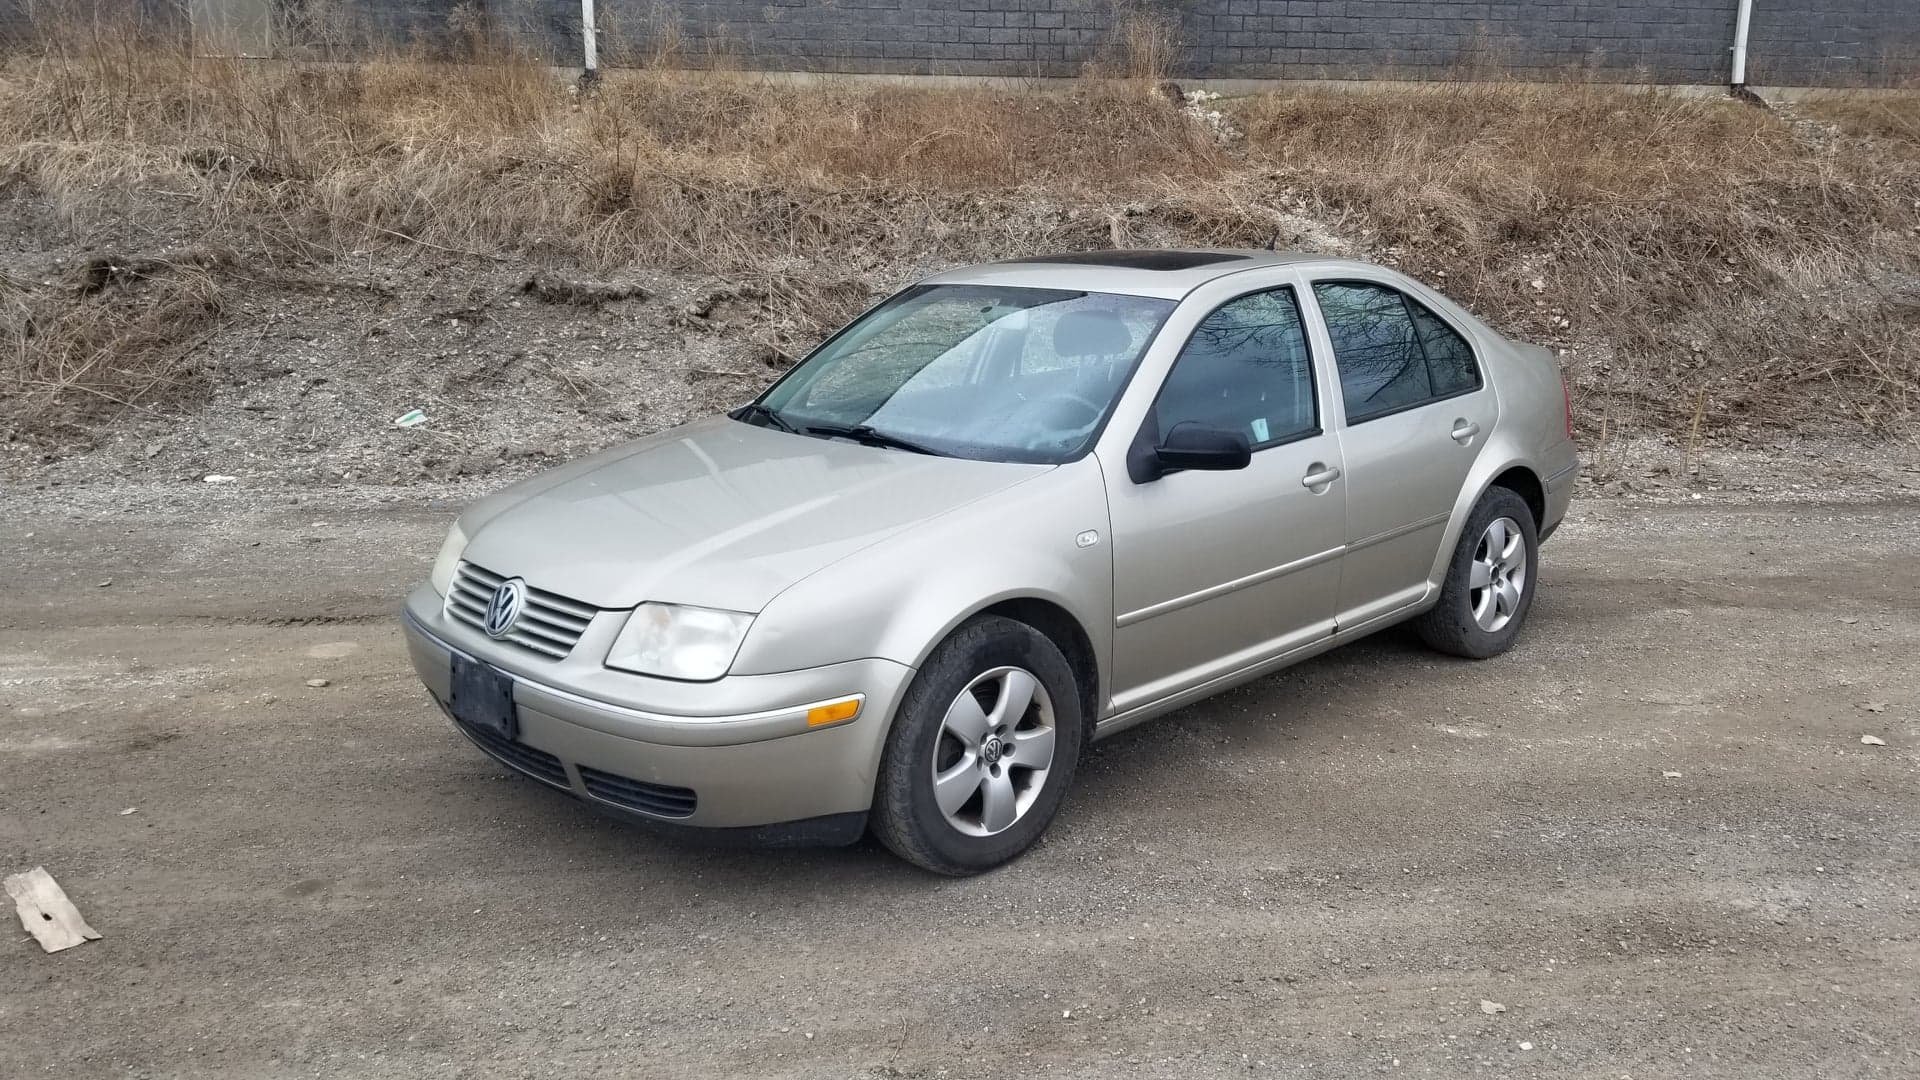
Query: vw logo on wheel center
(504,610)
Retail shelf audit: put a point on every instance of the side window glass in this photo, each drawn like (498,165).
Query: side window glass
(1449,357)
(1382,366)
(1246,369)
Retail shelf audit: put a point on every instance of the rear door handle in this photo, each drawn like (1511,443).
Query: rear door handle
(1464,430)
(1321,476)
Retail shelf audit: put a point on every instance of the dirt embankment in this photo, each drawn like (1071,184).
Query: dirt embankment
(226,267)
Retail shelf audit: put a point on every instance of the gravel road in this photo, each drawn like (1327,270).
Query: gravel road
(1652,833)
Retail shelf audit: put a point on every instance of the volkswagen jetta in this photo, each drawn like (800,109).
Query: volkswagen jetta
(1011,510)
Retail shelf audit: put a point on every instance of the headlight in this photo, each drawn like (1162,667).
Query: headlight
(449,557)
(678,642)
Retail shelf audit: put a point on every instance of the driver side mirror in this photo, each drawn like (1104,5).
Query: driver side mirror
(1191,446)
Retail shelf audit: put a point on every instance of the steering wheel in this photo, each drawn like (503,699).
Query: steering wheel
(1046,407)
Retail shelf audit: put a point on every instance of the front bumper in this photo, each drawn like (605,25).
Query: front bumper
(733,754)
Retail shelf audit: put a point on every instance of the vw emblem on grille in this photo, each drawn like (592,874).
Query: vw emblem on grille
(504,610)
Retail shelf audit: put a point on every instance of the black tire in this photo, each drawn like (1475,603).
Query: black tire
(906,816)
(1450,625)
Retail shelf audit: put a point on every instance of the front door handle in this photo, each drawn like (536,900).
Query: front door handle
(1319,476)
(1464,430)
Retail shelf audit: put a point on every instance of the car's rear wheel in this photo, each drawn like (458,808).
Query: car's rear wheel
(982,749)
(1489,586)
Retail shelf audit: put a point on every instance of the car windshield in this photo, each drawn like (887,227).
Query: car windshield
(980,371)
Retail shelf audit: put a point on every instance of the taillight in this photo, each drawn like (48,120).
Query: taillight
(1566,398)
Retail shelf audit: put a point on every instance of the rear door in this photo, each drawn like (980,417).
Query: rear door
(1415,409)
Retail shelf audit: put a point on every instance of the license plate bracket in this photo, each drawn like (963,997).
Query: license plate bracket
(482,698)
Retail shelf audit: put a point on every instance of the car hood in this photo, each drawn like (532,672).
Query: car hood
(718,513)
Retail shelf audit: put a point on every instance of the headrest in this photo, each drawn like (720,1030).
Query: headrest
(1091,333)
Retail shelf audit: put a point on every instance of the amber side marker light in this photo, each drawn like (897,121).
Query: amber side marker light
(833,713)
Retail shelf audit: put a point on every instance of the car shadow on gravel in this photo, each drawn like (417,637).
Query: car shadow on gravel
(1160,763)
(559,835)
(1283,703)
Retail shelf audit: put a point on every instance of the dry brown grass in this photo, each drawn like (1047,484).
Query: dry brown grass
(1143,44)
(1709,245)
(1893,118)
(499,156)
(115,336)
(1683,245)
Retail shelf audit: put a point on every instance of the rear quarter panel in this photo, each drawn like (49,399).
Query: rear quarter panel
(1530,433)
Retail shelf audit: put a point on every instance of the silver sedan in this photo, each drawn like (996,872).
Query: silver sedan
(1011,510)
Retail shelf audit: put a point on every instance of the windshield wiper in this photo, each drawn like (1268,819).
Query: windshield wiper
(758,411)
(862,433)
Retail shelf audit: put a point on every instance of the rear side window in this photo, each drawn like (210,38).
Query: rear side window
(1246,368)
(1392,352)
(1449,358)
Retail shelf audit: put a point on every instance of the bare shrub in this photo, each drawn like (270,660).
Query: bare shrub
(120,335)
(1142,43)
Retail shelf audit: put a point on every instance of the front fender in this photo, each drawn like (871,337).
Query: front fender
(900,598)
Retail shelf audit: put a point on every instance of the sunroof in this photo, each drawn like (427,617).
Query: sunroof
(1142,260)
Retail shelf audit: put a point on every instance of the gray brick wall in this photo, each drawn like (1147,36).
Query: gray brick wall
(1794,42)
(1835,43)
(1827,42)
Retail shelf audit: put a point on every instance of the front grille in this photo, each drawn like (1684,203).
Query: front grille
(655,799)
(549,624)
(538,764)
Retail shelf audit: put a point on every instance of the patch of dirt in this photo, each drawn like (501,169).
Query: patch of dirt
(307,369)
(307,372)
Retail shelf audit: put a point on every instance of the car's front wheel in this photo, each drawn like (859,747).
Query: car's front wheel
(1489,585)
(982,749)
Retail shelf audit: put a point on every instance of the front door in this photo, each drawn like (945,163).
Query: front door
(1215,571)
(1416,412)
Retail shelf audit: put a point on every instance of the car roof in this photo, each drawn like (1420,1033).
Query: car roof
(1170,273)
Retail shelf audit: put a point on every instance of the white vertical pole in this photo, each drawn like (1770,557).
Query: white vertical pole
(1741,23)
(587,38)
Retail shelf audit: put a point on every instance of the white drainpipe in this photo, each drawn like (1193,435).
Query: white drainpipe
(593,50)
(1740,26)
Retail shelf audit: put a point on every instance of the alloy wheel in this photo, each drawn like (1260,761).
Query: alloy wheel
(995,748)
(1498,577)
